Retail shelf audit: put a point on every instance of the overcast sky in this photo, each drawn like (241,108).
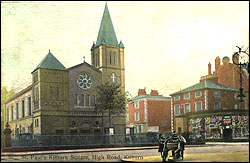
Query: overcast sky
(168,45)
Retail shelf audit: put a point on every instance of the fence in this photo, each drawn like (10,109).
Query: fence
(22,141)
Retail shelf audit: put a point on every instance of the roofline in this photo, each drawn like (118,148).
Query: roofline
(180,92)
(19,94)
(150,97)
(50,69)
(94,68)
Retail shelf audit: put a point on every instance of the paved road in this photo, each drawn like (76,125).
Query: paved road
(226,152)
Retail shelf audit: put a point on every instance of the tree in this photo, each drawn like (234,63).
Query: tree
(5,95)
(111,99)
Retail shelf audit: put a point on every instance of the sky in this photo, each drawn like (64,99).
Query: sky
(168,45)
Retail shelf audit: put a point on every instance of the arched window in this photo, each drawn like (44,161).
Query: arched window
(110,57)
(114,58)
(82,100)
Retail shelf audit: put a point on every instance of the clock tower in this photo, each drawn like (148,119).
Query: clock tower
(107,54)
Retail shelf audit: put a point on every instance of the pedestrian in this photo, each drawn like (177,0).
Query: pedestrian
(161,141)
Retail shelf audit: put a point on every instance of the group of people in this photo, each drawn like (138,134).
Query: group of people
(181,141)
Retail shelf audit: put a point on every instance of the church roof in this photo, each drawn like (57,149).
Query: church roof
(121,44)
(106,34)
(92,67)
(205,85)
(50,62)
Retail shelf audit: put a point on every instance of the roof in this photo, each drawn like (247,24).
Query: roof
(19,93)
(151,97)
(106,34)
(121,44)
(85,63)
(205,85)
(50,62)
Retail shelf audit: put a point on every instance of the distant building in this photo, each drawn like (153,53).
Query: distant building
(227,74)
(149,112)
(61,100)
(211,109)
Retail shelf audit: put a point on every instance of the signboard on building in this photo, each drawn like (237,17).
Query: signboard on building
(153,129)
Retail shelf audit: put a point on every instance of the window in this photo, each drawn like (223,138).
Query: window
(127,117)
(114,58)
(29,103)
(136,116)
(76,100)
(187,108)
(140,128)
(82,100)
(216,93)
(136,104)
(73,131)
(217,105)
(177,109)
(35,77)
(179,130)
(110,57)
(12,113)
(198,94)
(23,109)
(164,122)
(198,106)
(176,98)
(7,114)
(36,122)
(59,132)
(87,100)
(113,78)
(17,111)
(93,100)
(186,95)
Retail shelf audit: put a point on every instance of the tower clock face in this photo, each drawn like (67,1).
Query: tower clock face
(85,81)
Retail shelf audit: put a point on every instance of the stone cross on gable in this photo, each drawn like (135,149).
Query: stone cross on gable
(83,58)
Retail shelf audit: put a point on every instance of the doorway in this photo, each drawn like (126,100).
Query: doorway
(227,134)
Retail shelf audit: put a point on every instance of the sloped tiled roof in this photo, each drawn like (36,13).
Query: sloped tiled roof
(205,85)
(50,62)
(150,97)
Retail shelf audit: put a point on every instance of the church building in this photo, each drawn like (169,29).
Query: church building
(61,100)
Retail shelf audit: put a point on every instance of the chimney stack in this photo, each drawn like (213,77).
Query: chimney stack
(217,64)
(209,68)
(142,92)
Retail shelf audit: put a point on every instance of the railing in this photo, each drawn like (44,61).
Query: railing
(22,141)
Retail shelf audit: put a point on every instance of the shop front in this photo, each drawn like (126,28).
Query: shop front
(223,126)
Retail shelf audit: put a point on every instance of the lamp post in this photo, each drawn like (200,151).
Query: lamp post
(240,59)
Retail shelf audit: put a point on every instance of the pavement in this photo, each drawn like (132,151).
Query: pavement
(230,157)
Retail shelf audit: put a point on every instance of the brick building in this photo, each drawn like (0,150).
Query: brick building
(211,109)
(149,112)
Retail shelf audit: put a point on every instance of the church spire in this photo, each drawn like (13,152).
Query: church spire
(106,34)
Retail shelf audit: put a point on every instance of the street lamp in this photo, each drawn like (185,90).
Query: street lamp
(241,59)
